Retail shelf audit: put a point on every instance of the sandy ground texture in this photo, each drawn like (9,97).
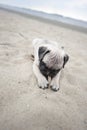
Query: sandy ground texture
(24,106)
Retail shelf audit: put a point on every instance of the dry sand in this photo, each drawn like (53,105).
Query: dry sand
(23,106)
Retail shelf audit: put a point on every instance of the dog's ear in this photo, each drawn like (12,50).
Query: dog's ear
(66,58)
(42,52)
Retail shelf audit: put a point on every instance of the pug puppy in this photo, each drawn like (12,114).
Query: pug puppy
(49,60)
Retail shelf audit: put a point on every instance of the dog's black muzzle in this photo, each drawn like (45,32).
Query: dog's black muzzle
(47,71)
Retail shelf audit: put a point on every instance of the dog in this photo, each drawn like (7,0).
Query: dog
(49,60)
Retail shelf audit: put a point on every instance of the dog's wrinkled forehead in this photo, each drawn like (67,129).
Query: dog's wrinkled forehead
(51,57)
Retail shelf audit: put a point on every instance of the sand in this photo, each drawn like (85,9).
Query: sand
(24,106)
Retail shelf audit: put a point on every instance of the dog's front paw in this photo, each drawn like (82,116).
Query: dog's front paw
(54,85)
(43,83)
(54,88)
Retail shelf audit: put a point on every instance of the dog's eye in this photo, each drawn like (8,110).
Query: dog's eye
(42,66)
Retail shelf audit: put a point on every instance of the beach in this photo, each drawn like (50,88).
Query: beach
(23,105)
